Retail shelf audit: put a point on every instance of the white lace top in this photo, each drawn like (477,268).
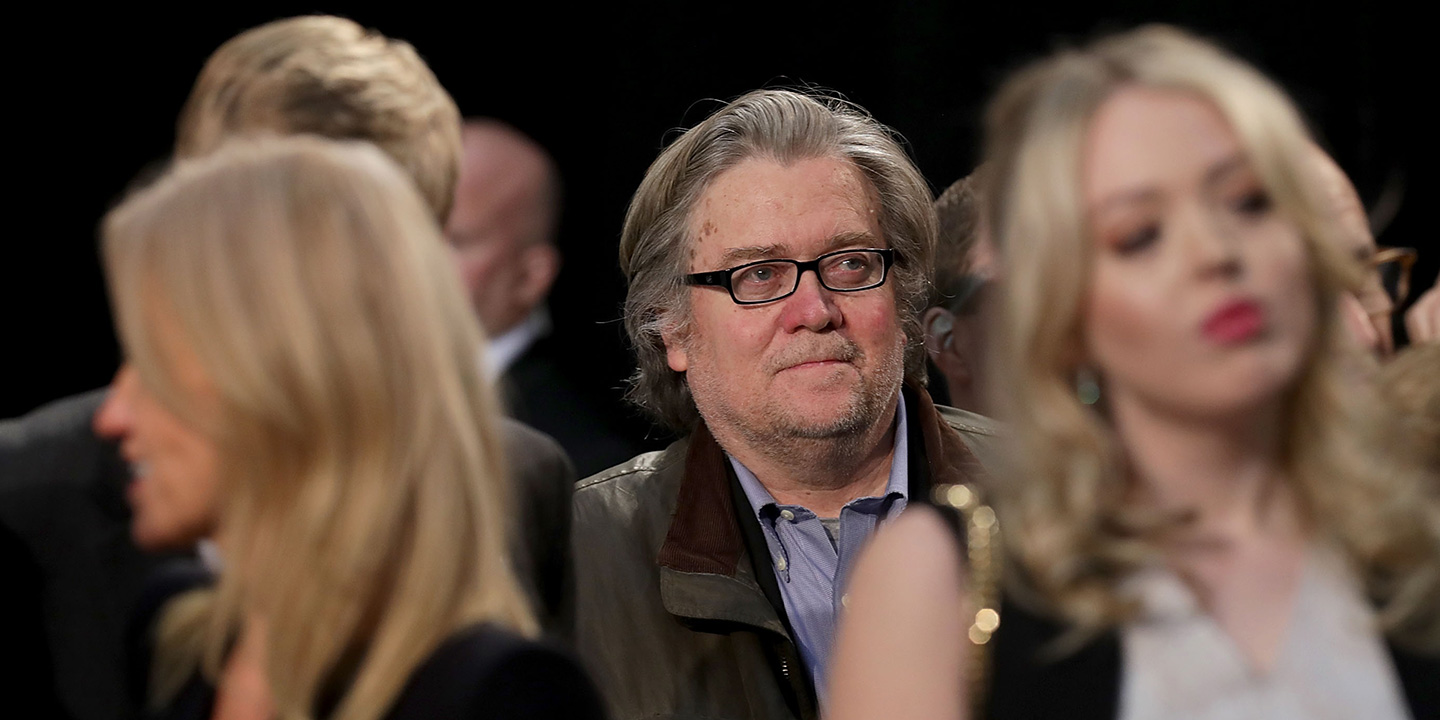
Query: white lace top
(1333,663)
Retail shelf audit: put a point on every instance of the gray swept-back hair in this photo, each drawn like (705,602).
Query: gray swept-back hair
(784,126)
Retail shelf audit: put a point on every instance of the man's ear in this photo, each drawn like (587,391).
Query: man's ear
(676,357)
(938,325)
(941,327)
(1361,331)
(675,353)
(539,265)
(962,356)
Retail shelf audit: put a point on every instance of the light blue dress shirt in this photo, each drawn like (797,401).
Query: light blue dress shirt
(810,569)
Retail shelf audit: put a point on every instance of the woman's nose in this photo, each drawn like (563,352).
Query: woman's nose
(1213,244)
(113,419)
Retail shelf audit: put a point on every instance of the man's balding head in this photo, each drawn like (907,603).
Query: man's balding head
(1368,310)
(503,224)
(1345,206)
(965,261)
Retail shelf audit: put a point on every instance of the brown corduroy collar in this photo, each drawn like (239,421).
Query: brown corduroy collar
(704,536)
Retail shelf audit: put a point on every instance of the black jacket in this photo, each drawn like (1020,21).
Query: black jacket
(541,391)
(480,672)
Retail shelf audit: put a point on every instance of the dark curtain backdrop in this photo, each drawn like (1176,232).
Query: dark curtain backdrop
(94,95)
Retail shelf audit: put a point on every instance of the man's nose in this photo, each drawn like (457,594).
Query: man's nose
(811,306)
(113,419)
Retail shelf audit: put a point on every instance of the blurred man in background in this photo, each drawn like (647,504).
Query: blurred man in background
(1367,312)
(502,231)
(955,321)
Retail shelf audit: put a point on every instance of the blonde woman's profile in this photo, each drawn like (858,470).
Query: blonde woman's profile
(305,393)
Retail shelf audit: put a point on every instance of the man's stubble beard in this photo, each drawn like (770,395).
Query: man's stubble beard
(777,432)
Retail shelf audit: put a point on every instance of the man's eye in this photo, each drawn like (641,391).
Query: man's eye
(757,275)
(857,264)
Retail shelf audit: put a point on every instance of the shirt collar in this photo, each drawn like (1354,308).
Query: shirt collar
(504,349)
(209,554)
(899,482)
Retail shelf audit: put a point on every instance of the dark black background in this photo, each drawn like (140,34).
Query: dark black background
(93,97)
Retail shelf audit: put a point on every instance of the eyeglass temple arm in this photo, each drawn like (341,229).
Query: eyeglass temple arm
(720,278)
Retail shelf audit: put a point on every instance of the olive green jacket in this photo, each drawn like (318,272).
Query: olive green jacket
(676,616)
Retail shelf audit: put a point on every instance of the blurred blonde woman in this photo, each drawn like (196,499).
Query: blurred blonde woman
(303,389)
(1215,524)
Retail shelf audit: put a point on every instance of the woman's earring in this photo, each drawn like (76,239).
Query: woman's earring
(1087,386)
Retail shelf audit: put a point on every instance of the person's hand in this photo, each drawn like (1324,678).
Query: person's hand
(1423,319)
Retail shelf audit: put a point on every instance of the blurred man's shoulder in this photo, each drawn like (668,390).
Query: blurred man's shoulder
(985,437)
(54,444)
(58,420)
(968,423)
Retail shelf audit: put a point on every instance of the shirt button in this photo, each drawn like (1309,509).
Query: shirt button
(780,563)
(845,600)
(787,515)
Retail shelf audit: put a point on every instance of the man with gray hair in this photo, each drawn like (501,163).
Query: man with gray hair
(777,256)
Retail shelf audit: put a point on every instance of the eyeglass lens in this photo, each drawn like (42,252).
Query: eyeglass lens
(856,270)
(1394,276)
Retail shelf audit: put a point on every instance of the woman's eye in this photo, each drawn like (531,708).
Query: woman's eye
(1255,202)
(1138,240)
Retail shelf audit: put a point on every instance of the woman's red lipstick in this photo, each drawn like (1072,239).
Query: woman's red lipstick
(1234,322)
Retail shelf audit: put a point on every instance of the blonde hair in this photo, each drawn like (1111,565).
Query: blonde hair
(362,489)
(1411,385)
(1066,522)
(328,76)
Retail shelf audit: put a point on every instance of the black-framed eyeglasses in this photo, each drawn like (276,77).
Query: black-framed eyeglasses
(1393,265)
(770,280)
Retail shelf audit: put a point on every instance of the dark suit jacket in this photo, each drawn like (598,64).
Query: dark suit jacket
(540,391)
(62,493)
(542,482)
(24,652)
